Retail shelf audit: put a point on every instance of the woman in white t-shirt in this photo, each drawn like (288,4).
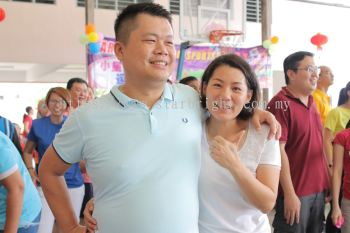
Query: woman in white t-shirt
(240,167)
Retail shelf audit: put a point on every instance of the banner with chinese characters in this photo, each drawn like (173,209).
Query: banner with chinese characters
(105,70)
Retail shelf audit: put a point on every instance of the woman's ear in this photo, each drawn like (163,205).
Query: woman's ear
(249,96)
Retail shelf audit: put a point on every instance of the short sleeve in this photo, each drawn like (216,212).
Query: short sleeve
(340,138)
(32,136)
(281,115)
(271,153)
(331,120)
(8,164)
(69,142)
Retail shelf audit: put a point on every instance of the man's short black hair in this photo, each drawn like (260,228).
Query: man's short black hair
(124,24)
(188,79)
(75,80)
(292,62)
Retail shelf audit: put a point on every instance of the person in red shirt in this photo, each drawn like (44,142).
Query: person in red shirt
(341,162)
(304,176)
(27,120)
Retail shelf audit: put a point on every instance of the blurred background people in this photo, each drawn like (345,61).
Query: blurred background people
(78,89)
(27,120)
(41,136)
(191,81)
(43,110)
(91,94)
(9,129)
(321,99)
(20,204)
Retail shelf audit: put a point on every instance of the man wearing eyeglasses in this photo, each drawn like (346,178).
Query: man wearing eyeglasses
(322,100)
(304,177)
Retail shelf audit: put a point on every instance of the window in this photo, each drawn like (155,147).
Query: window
(106,4)
(124,3)
(174,7)
(102,4)
(253,12)
(35,1)
(112,4)
(194,4)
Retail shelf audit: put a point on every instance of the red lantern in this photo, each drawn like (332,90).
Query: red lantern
(319,40)
(2,14)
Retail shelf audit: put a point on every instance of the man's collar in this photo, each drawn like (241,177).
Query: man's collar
(124,100)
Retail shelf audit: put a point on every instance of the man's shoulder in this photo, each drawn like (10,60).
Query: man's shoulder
(281,95)
(183,91)
(95,105)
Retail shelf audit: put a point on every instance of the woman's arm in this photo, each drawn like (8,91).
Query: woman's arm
(328,148)
(261,190)
(28,160)
(336,181)
(15,189)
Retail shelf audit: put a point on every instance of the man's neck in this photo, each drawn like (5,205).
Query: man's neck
(304,98)
(148,95)
(322,88)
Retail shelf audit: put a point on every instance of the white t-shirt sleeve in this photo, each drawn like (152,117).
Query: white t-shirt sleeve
(271,153)
(69,142)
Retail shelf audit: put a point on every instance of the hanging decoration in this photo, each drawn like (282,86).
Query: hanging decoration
(92,39)
(319,40)
(270,44)
(2,14)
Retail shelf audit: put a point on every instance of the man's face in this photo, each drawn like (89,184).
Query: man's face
(78,94)
(149,54)
(304,79)
(326,76)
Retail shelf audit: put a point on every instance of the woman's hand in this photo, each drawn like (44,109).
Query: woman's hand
(225,152)
(90,222)
(336,214)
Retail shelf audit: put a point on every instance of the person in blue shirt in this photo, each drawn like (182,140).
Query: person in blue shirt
(8,128)
(141,142)
(41,135)
(20,204)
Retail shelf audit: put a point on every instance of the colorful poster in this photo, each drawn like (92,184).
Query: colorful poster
(105,70)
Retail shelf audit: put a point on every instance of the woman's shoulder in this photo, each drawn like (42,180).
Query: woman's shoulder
(262,133)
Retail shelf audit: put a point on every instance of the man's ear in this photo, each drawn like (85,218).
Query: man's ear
(119,50)
(291,74)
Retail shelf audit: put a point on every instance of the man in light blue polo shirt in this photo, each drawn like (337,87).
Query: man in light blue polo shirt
(141,142)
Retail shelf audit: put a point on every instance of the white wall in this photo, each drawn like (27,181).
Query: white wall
(15,97)
(48,34)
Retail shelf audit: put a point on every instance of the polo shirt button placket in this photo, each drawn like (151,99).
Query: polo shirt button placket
(153,122)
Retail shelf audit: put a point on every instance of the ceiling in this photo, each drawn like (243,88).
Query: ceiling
(44,73)
(40,73)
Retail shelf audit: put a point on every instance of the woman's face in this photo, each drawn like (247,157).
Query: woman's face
(57,105)
(226,93)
